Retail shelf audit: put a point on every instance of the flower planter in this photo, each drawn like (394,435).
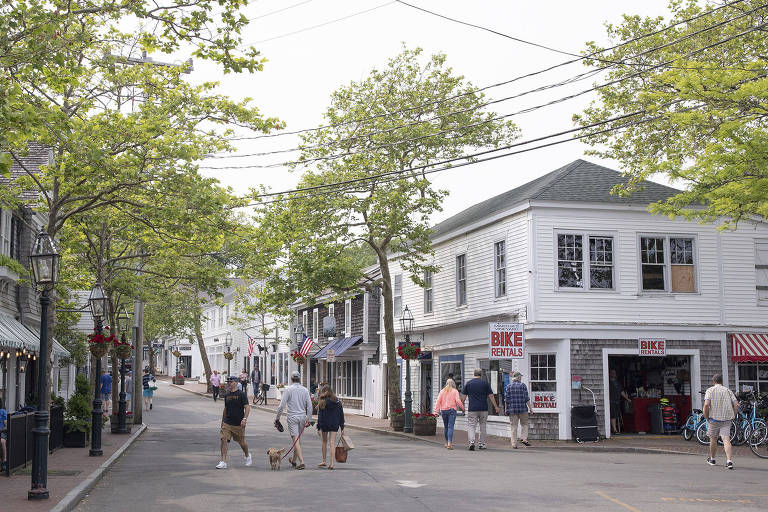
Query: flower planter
(179,381)
(123,351)
(424,427)
(98,350)
(75,439)
(398,422)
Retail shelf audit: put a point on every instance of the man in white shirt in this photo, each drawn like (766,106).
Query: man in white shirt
(720,407)
(298,405)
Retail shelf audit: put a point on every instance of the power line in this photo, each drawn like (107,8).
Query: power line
(280,10)
(526,110)
(506,82)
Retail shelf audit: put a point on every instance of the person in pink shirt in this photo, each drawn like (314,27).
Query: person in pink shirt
(447,402)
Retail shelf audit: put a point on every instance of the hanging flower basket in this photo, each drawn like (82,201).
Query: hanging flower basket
(99,344)
(123,351)
(408,351)
(299,358)
(176,353)
(229,356)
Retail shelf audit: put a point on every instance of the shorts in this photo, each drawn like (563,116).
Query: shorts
(719,429)
(615,410)
(232,432)
(147,393)
(295,424)
(106,397)
(3,435)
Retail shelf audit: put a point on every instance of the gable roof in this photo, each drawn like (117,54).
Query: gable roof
(579,181)
(37,156)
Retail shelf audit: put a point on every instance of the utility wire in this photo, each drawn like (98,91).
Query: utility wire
(506,82)
(279,10)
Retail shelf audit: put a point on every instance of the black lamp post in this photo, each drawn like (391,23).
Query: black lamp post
(228,343)
(406,325)
(45,268)
(98,304)
(122,324)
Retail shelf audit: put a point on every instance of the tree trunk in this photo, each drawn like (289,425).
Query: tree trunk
(115,382)
(393,375)
(203,353)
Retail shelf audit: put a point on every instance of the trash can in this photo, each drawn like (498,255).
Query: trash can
(657,421)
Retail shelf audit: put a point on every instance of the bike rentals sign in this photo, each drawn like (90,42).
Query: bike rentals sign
(652,347)
(506,340)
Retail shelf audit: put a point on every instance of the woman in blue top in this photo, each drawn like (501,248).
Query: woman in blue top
(330,420)
(3,435)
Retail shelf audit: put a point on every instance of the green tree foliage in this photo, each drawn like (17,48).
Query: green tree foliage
(395,119)
(702,90)
(77,415)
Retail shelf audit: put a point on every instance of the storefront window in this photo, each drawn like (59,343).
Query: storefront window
(454,368)
(272,369)
(543,372)
(495,377)
(346,378)
(754,376)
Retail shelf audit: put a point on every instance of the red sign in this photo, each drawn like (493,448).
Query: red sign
(652,347)
(506,340)
(544,400)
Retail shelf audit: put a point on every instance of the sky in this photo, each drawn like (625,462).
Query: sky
(305,65)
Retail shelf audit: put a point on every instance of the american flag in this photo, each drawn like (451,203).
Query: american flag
(306,345)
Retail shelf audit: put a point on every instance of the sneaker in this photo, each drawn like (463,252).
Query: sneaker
(526,443)
(248,460)
(482,446)
(471,447)
(150,407)
(221,465)
(711,461)
(729,464)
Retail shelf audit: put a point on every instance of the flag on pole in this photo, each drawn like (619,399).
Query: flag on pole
(306,345)
(251,343)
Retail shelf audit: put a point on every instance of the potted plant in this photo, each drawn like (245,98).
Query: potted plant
(122,349)
(398,419)
(229,356)
(408,351)
(424,424)
(299,358)
(99,344)
(77,415)
(178,379)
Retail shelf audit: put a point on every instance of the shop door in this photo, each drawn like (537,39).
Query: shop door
(426,386)
(185,366)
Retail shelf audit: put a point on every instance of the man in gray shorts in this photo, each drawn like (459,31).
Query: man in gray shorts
(298,405)
(720,407)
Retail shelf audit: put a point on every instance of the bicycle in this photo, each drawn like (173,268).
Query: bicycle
(695,419)
(261,396)
(750,425)
(702,433)
(759,447)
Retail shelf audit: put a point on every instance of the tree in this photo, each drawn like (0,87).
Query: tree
(701,100)
(408,115)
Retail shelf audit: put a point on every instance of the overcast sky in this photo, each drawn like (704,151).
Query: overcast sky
(305,67)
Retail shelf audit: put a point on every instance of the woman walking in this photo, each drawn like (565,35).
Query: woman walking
(330,420)
(447,402)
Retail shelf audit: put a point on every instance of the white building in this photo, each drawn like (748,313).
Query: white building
(589,274)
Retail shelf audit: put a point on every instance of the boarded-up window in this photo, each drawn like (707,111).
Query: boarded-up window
(761,271)
(681,265)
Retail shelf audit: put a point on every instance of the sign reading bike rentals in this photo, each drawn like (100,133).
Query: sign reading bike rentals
(652,347)
(506,340)
(544,399)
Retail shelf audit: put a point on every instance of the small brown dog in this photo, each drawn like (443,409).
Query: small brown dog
(275,456)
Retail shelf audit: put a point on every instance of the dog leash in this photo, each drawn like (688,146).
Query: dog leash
(296,441)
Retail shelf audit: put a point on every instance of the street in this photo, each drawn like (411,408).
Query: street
(171,468)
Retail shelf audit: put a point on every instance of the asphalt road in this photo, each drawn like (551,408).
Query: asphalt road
(171,469)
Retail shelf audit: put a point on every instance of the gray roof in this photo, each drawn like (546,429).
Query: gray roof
(579,181)
(37,156)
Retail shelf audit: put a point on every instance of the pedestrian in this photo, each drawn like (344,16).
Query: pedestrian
(256,382)
(233,421)
(146,387)
(615,394)
(105,383)
(215,383)
(330,421)
(479,392)
(244,381)
(298,406)
(518,407)
(3,436)
(720,407)
(447,402)
(128,388)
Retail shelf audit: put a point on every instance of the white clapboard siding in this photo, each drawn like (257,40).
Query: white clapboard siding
(740,276)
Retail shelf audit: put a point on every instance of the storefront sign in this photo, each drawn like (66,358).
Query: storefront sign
(576,382)
(544,399)
(330,355)
(652,347)
(506,340)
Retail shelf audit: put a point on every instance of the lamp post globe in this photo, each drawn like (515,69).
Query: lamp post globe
(122,324)
(44,260)
(406,327)
(97,302)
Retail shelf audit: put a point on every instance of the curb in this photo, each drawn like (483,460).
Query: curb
(73,497)
(190,390)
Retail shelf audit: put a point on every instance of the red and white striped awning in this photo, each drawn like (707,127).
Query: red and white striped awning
(749,346)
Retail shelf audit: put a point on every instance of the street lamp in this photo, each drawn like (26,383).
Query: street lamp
(98,304)
(406,327)
(228,343)
(122,323)
(44,261)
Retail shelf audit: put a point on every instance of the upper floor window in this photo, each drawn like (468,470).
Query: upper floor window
(398,295)
(221,316)
(428,291)
(461,279)
(5,232)
(332,314)
(500,268)
(668,264)
(304,316)
(226,314)
(348,318)
(315,329)
(592,269)
(761,271)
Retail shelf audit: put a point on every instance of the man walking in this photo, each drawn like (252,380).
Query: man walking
(479,392)
(256,381)
(720,407)
(106,392)
(233,420)
(518,407)
(215,383)
(298,403)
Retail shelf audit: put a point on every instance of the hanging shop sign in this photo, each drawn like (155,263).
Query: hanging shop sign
(506,340)
(330,355)
(544,399)
(652,347)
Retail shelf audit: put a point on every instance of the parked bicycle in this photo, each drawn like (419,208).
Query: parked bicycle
(695,419)
(749,426)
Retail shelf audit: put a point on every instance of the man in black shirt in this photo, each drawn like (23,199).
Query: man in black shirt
(233,419)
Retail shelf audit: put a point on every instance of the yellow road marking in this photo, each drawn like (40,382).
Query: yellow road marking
(614,500)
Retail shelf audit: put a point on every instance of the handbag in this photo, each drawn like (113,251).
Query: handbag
(341,452)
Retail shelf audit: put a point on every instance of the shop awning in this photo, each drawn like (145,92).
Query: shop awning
(14,334)
(749,347)
(338,345)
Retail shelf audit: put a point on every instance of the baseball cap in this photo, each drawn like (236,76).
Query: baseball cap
(295,375)
(516,374)
(232,377)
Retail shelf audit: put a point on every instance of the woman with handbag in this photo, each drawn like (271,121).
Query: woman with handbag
(447,402)
(148,386)
(330,421)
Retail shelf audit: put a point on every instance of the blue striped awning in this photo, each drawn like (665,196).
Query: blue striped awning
(338,345)
(14,334)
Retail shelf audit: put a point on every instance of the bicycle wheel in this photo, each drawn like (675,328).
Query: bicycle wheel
(702,435)
(688,428)
(759,449)
(740,432)
(758,433)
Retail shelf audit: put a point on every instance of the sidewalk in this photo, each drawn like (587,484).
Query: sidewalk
(629,443)
(71,474)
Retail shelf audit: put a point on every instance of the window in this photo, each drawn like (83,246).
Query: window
(676,273)
(500,268)
(331,314)
(5,232)
(226,314)
(315,329)
(573,263)
(427,291)
(346,378)
(754,375)
(221,316)
(461,280)
(304,316)
(453,369)
(284,367)
(398,295)
(15,238)
(761,271)
(543,372)
(273,369)
(493,375)
(348,318)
